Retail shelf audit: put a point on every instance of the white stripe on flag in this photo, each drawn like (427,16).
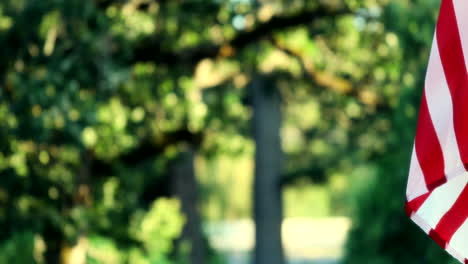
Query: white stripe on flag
(459,240)
(421,223)
(416,183)
(455,253)
(441,200)
(461,11)
(440,107)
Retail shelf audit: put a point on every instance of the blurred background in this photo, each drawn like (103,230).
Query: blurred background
(210,131)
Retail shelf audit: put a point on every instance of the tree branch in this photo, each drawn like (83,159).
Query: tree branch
(334,83)
(151,49)
(147,150)
(320,78)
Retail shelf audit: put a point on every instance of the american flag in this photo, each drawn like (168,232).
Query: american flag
(437,192)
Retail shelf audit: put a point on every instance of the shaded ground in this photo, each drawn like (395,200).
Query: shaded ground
(244,259)
(306,241)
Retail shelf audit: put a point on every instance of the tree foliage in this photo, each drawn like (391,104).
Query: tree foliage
(99,98)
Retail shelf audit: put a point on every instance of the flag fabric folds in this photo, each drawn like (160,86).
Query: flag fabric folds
(437,192)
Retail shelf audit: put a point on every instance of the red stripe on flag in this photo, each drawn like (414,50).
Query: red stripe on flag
(416,203)
(428,149)
(436,237)
(453,62)
(453,218)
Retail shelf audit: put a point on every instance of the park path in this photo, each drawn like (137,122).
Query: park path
(306,240)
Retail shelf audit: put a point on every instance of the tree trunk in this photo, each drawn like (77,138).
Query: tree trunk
(58,249)
(184,186)
(76,253)
(54,238)
(268,157)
